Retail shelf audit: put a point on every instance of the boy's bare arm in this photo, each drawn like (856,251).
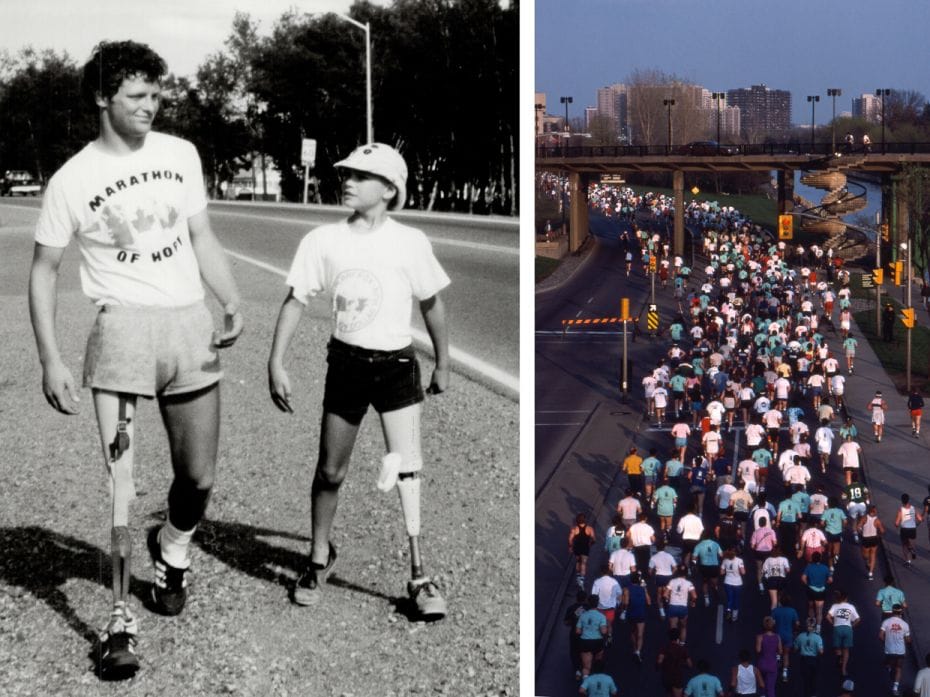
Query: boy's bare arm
(214,268)
(279,384)
(434,315)
(57,381)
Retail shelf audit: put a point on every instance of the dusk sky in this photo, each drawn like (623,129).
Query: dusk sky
(803,46)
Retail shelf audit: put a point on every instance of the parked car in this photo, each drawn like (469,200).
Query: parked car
(708,147)
(19,182)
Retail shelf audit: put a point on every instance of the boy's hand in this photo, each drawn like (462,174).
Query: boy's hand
(439,383)
(233,324)
(57,383)
(280,387)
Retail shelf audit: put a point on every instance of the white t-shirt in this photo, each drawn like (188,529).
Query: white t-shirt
(607,591)
(372,277)
(896,630)
(662,563)
(849,451)
(661,397)
(775,567)
(690,527)
(732,569)
(843,614)
(679,590)
(129,214)
(754,433)
(622,562)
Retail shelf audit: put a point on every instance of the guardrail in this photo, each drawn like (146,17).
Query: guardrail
(727,150)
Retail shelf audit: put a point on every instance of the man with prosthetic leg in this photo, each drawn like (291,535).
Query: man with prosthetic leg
(134,202)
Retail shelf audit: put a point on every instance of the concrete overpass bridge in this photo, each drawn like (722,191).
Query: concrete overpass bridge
(585,164)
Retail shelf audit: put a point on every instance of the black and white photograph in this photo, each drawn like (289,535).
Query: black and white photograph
(260,377)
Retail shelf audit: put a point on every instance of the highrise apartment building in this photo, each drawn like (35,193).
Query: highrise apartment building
(764,112)
(868,107)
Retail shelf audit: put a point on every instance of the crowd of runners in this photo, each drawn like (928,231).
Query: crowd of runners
(745,365)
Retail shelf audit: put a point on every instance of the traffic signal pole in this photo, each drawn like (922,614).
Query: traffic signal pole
(910,327)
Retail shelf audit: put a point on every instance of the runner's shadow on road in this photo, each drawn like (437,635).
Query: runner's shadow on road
(242,547)
(41,561)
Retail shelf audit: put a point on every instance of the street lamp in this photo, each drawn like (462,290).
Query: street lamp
(718,97)
(813,99)
(834,92)
(566,101)
(906,248)
(669,103)
(370,134)
(884,92)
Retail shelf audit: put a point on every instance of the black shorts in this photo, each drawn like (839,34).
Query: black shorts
(590,645)
(908,533)
(359,377)
(870,541)
(815,595)
(709,571)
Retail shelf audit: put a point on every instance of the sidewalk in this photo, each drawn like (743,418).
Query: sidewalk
(899,464)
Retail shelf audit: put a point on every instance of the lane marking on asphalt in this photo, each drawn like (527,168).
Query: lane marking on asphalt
(719,635)
(590,300)
(481,246)
(492,372)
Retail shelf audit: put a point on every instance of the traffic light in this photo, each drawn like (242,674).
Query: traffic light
(886,233)
(907,317)
(894,270)
(878,276)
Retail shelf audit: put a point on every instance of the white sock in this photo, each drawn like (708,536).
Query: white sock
(175,545)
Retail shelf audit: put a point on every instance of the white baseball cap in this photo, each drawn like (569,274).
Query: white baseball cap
(383,160)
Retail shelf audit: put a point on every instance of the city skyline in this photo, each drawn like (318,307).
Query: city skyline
(804,48)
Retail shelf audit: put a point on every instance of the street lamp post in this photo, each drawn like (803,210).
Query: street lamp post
(906,248)
(813,99)
(883,92)
(366,27)
(718,97)
(834,92)
(669,103)
(566,101)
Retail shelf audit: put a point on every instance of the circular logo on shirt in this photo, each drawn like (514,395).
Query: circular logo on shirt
(357,296)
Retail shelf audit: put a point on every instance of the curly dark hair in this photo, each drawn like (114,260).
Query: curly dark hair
(113,61)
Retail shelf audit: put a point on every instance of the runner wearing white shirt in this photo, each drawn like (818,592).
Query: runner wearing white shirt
(746,469)
(815,384)
(762,404)
(649,386)
(711,441)
(660,402)
(824,436)
(680,593)
(690,527)
(838,388)
(754,433)
(849,453)
(843,616)
(895,634)
(715,410)
(782,389)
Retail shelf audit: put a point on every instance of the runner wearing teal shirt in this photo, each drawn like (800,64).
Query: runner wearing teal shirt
(650,467)
(849,345)
(809,646)
(673,469)
(675,330)
(888,596)
(666,499)
(704,684)
(787,522)
(834,520)
(598,684)
(708,554)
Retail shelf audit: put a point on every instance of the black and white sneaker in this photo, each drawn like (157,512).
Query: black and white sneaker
(169,591)
(116,658)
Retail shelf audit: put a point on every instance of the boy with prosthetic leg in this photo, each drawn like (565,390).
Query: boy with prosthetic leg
(373,268)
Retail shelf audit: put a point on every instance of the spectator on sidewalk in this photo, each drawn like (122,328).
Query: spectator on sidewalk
(915,403)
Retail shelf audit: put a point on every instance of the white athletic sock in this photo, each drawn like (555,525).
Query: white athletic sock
(175,545)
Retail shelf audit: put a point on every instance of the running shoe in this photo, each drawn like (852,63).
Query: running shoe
(309,586)
(116,655)
(169,591)
(429,603)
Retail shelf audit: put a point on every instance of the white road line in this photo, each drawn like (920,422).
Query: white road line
(579,313)
(498,249)
(501,377)
(590,300)
(719,635)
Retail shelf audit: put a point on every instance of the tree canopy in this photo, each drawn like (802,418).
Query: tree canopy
(444,90)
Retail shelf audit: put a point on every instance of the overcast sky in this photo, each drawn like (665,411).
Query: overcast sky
(184,32)
(804,46)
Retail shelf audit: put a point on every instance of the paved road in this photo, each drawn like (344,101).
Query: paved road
(479,254)
(582,430)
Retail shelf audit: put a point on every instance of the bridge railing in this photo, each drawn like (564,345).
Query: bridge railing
(786,148)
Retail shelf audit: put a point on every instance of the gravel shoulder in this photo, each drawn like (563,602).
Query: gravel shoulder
(240,635)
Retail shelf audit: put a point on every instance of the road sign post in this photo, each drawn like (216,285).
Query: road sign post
(625,319)
(308,160)
(652,319)
(786,226)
